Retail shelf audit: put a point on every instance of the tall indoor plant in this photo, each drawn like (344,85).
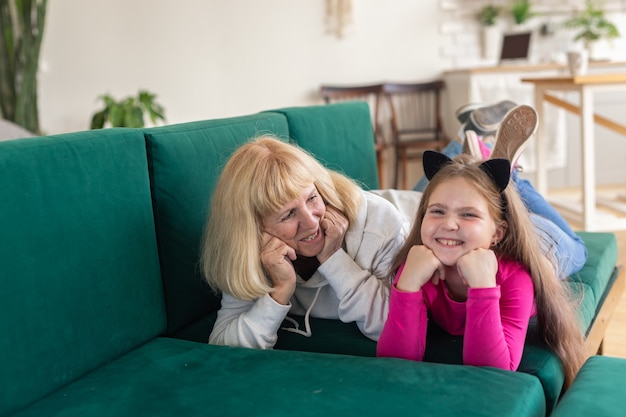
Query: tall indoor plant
(22,26)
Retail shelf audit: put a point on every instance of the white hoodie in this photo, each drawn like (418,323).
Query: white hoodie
(351,285)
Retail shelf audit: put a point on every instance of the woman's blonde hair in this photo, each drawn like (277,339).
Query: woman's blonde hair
(258,179)
(557,321)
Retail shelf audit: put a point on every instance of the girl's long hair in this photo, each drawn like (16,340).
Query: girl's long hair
(557,321)
(258,179)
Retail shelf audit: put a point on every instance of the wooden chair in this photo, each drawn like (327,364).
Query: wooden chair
(371,94)
(415,122)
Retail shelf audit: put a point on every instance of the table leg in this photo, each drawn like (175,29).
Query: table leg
(540,144)
(588,158)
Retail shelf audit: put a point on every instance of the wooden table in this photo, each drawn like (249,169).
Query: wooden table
(586,86)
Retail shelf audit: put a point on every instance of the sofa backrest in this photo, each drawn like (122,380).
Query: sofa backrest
(340,135)
(185,162)
(79,267)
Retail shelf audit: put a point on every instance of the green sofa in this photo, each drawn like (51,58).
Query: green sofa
(105,313)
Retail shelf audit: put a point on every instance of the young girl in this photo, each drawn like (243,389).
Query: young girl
(472,262)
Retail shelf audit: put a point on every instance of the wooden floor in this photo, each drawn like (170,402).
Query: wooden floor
(615,337)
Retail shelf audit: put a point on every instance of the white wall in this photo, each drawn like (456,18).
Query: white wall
(218,58)
(209,59)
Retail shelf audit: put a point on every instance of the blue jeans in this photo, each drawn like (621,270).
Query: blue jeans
(557,238)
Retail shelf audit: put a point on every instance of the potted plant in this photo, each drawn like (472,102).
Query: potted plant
(128,112)
(591,25)
(521,11)
(487,17)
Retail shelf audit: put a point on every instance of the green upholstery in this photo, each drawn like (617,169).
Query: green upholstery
(79,271)
(598,390)
(169,377)
(592,281)
(185,161)
(340,135)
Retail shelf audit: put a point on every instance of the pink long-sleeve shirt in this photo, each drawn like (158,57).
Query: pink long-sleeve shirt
(493,321)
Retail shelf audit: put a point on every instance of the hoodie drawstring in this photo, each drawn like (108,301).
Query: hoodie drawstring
(307,325)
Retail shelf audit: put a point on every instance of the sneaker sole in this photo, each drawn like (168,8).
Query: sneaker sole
(516,128)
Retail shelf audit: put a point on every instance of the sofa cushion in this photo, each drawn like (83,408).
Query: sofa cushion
(176,377)
(340,135)
(598,390)
(78,266)
(185,161)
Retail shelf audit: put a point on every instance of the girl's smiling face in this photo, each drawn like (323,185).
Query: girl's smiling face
(297,223)
(457,220)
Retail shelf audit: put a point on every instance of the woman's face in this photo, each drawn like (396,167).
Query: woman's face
(457,220)
(297,223)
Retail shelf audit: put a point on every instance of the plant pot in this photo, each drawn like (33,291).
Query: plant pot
(491,42)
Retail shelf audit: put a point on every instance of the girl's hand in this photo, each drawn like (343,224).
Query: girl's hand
(421,265)
(478,268)
(276,257)
(334,226)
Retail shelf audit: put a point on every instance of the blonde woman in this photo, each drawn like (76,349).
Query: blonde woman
(286,235)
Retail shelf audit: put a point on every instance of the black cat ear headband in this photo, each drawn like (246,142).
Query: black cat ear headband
(498,169)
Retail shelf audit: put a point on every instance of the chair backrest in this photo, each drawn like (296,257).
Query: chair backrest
(371,94)
(415,110)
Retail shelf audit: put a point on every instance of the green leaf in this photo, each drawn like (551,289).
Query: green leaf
(146,98)
(116,115)
(134,117)
(97,121)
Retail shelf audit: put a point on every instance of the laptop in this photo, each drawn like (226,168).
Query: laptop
(515,48)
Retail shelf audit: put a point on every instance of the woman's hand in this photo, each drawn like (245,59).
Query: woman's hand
(421,265)
(276,257)
(478,268)
(334,226)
